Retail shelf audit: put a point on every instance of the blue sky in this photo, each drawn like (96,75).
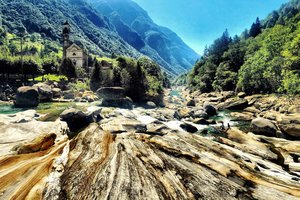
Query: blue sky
(200,22)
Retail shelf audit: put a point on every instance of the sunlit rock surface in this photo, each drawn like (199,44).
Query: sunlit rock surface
(130,154)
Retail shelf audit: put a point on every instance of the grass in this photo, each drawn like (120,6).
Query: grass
(50,77)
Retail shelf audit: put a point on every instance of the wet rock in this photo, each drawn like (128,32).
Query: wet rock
(45,92)
(210,109)
(263,126)
(188,128)
(27,97)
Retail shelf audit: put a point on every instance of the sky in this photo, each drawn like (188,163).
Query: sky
(200,22)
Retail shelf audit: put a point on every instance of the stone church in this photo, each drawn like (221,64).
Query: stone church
(71,50)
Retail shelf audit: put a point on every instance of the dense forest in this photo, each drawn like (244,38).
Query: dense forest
(264,59)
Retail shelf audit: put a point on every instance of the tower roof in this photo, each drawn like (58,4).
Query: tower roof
(66,23)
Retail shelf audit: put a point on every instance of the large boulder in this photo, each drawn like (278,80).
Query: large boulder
(69,95)
(45,92)
(126,103)
(291,129)
(200,114)
(210,109)
(27,97)
(234,104)
(111,93)
(290,125)
(57,93)
(188,128)
(77,119)
(263,126)
(191,102)
(114,97)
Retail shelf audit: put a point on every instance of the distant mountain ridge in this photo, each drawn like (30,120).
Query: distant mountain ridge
(135,26)
(103,27)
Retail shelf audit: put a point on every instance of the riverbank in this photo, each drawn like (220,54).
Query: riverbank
(180,151)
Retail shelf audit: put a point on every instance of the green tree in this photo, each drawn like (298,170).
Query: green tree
(255,29)
(95,81)
(68,69)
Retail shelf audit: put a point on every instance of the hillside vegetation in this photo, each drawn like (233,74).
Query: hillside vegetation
(265,59)
(103,32)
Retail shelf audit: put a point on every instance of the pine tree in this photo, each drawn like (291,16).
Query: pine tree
(68,69)
(95,82)
(255,28)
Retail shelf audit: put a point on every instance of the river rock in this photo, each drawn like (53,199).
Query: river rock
(57,93)
(27,97)
(188,128)
(263,126)
(241,94)
(150,105)
(200,114)
(201,121)
(210,109)
(76,119)
(69,95)
(291,129)
(244,116)
(121,103)
(45,92)
(234,104)
(191,102)
(111,93)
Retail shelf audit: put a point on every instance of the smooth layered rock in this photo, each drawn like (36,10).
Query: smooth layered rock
(234,104)
(27,97)
(263,126)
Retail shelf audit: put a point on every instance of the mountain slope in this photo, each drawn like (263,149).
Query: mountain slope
(265,59)
(135,26)
(103,30)
(46,17)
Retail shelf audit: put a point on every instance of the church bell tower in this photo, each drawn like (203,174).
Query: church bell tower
(66,38)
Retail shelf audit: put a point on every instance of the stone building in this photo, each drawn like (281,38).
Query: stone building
(71,50)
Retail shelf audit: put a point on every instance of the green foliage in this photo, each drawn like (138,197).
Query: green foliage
(68,69)
(142,78)
(95,80)
(50,77)
(79,85)
(259,61)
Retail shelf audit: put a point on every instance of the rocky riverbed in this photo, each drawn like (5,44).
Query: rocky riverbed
(193,148)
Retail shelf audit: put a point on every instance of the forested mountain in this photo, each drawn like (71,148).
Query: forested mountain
(100,30)
(264,59)
(135,26)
